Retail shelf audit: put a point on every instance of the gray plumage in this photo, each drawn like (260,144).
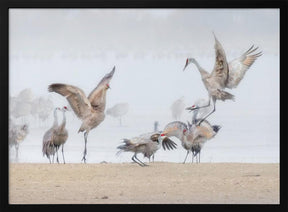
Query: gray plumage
(224,74)
(89,109)
(197,135)
(61,135)
(147,144)
(192,136)
(48,147)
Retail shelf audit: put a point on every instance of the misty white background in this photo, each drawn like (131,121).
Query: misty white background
(149,48)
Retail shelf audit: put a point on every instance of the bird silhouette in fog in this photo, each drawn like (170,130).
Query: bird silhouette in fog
(224,74)
(177,108)
(17,134)
(118,110)
(89,109)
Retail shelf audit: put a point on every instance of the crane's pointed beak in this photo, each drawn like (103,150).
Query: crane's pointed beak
(193,107)
(186,65)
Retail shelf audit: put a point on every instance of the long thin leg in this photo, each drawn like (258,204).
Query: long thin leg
(186,156)
(63,153)
(85,149)
(57,154)
(138,161)
(17,148)
(133,158)
(144,164)
(214,109)
(192,157)
(53,156)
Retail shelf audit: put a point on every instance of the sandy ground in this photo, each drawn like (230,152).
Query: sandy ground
(159,183)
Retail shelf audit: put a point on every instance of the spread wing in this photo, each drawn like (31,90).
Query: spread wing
(75,96)
(239,66)
(220,72)
(96,97)
(168,143)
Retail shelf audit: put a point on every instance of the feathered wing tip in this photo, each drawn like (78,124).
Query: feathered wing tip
(216,128)
(251,50)
(169,144)
(55,86)
(217,43)
(223,95)
(216,40)
(109,75)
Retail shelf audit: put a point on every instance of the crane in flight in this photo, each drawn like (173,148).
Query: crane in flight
(224,74)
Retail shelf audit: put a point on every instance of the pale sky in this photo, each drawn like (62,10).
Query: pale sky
(48,32)
(148,47)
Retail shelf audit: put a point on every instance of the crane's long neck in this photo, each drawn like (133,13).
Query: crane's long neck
(194,117)
(55,118)
(63,124)
(203,73)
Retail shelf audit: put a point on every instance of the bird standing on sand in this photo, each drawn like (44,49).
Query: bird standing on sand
(61,135)
(224,74)
(147,144)
(89,109)
(198,135)
(179,130)
(48,147)
(192,137)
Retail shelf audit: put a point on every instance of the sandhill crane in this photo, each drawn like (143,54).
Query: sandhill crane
(198,134)
(224,74)
(177,108)
(147,144)
(90,110)
(192,137)
(179,130)
(118,110)
(17,133)
(61,135)
(48,147)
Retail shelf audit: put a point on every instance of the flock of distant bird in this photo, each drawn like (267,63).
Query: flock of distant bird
(192,135)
